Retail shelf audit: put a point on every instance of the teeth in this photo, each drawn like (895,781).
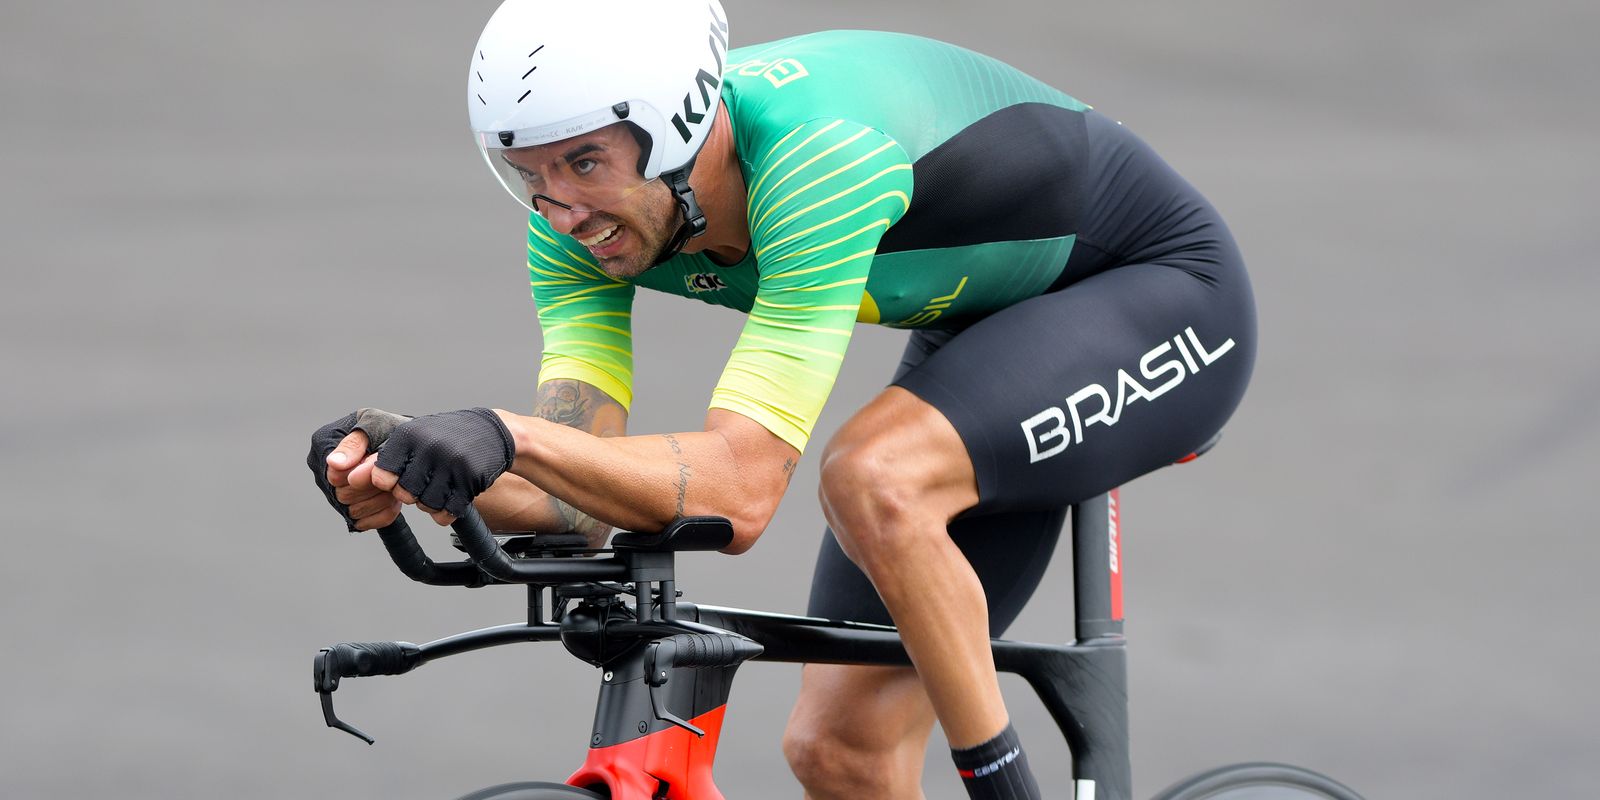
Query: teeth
(599,237)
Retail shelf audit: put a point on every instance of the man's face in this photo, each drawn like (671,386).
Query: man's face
(624,221)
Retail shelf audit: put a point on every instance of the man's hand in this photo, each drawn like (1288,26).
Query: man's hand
(341,460)
(440,462)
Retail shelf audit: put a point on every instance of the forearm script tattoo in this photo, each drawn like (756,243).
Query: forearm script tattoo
(683,470)
(574,404)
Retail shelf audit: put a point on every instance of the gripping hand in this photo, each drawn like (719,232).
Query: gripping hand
(374,425)
(445,460)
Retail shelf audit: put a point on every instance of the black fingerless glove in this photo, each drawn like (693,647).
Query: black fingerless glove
(375,422)
(323,442)
(445,460)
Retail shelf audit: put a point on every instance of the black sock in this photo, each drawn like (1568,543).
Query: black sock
(997,769)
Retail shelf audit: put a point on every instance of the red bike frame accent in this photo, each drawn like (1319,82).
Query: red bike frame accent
(1114,525)
(635,770)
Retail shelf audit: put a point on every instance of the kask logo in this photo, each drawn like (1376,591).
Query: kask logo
(1048,433)
(706,82)
(704,282)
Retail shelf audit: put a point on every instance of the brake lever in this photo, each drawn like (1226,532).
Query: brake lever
(326,679)
(654,676)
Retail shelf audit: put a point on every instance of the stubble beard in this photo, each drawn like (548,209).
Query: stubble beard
(658,221)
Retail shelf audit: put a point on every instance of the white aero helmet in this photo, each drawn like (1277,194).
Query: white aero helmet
(549,70)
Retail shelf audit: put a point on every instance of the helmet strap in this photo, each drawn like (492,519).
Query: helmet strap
(694,220)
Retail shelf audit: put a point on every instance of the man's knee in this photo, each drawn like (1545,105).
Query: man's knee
(866,476)
(872,504)
(884,494)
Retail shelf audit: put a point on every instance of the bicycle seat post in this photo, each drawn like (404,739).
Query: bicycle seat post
(1097,568)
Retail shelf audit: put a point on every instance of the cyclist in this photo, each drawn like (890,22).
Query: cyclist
(1079,316)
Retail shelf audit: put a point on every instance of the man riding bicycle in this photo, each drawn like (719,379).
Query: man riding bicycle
(1080,315)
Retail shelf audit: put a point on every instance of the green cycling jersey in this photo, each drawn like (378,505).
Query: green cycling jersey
(830,130)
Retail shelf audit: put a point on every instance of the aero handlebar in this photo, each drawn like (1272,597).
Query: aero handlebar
(488,562)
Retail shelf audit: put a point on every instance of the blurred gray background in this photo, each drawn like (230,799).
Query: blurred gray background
(226,223)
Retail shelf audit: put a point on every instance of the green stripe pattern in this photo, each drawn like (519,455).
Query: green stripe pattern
(826,127)
(585,314)
(820,198)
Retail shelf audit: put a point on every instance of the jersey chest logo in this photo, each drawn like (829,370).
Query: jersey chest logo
(704,282)
(778,73)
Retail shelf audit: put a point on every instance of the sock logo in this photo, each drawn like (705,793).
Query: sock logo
(993,766)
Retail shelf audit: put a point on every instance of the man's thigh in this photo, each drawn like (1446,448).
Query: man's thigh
(1073,393)
(1063,397)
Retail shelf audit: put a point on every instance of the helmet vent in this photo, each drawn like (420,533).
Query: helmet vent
(480,55)
(480,77)
(524,95)
(483,101)
(530,71)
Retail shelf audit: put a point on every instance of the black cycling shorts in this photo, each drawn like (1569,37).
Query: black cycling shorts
(1135,358)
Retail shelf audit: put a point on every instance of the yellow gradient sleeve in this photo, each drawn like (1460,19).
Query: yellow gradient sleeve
(820,198)
(585,314)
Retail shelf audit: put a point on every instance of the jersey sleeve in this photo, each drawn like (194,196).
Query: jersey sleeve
(585,314)
(820,198)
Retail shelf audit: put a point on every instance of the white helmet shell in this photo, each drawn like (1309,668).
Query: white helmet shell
(544,71)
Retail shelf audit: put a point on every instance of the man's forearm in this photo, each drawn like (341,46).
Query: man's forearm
(513,504)
(635,482)
(644,482)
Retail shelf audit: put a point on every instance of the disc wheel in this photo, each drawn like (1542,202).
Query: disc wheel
(1258,782)
(532,791)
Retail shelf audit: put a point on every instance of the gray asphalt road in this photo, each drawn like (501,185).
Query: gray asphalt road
(225,223)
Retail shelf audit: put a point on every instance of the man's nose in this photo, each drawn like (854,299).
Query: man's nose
(564,220)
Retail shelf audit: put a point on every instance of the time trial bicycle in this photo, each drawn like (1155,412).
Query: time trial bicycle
(667,666)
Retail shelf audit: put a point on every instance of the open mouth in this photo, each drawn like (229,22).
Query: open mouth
(602,238)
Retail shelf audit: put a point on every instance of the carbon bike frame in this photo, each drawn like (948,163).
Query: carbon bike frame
(669,666)
(1084,684)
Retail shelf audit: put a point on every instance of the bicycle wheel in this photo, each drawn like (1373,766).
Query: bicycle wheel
(532,791)
(1258,782)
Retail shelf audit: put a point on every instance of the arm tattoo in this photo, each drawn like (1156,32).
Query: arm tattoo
(683,471)
(576,521)
(574,404)
(566,403)
(788,469)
